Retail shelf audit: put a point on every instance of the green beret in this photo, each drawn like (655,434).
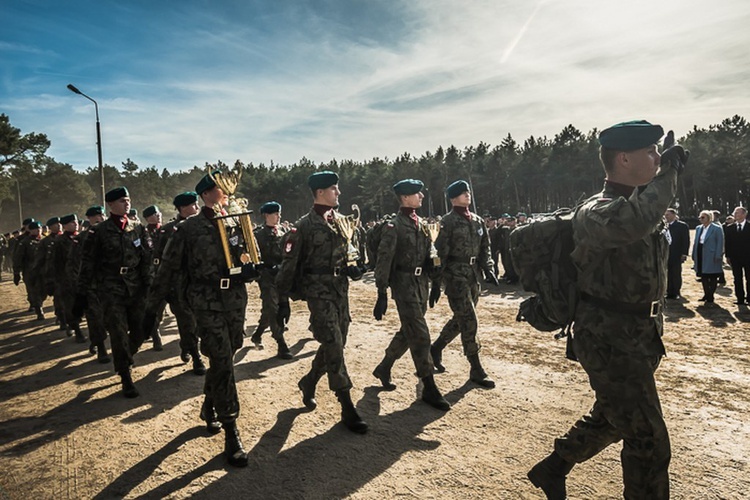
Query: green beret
(206,183)
(521,214)
(133,213)
(408,186)
(68,218)
(270,207)
(505,215)
(95,210)
(53,220)
(322,180)
(185,199)
(116,193)
(457,188)
(28,221)
(151,210)
(629,136)
(34,224)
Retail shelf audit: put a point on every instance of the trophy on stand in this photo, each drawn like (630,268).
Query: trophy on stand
(432,229)
(237,215)
(347,225)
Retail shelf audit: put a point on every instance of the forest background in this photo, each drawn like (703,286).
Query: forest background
(538,175)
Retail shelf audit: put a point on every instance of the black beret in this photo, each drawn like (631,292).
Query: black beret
(185,199)
(270,207)
(206,183)
(95,210)
(34,224)
(116,193)
(629,136)
(68,218)
(151,210)
(408,186)
(133,212)
(457,188)
(322,180)
(53,220)
(28,221)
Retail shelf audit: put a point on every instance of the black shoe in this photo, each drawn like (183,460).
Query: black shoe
(256,339)
(63,326)
(128,387)
(436,351)
(349,416)
(198,367)
(702,299)
(80,339)
(39,314)
(235,453)
(208,415)
(431,395)
(158,346)
(477,373)
(284,352)
(307,386)
(185,355)
(549,475)
(382,372)
(92,349)
(101,355)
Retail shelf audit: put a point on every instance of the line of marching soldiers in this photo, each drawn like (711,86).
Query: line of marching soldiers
(120,274)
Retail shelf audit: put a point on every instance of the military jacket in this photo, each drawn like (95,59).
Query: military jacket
(115,260)
(59,256)
(28,256)
(403,247)
(44,262)
(459,240)
(194,253)
(312,247)
(269,242)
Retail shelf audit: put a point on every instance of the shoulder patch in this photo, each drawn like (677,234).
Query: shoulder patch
(293,230)
(390,225)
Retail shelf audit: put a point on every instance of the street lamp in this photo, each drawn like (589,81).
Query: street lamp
(72,88)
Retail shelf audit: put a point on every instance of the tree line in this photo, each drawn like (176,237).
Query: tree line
(538,175)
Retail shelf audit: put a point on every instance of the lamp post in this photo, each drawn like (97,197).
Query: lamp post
(72,88)
(20,210)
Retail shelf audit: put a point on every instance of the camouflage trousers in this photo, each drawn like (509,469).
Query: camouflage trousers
(269,297)
(186,325)
(221,335)
(329,323)
(94,318)
(123,319)
(34,290)
(464,320)
(414,335)
(627,408)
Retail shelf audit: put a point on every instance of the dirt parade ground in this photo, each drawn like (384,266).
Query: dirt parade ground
(67,432)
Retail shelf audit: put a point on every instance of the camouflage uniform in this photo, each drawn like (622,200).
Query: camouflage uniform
(194,253)
(155,233)
(47,270)
(26,259)
(269,243)
(464,250)
(115,263)
(621,253)
(403,249)
(319,250)
(57,265)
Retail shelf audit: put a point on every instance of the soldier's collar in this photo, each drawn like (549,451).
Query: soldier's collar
(619,189)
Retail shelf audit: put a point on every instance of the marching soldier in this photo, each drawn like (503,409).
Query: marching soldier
(153,227)
(115,263)
(315,267)
(218,301)
(26,259)
(58,261)
(464,249)
(269,237)
(403,263)
(187,206)
(48,243)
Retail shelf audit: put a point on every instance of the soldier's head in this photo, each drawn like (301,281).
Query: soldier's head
(409,193)
(152,214)
(459,194)
(271,212)
(95,214)
(629,152)
(210,193)
(740,214)
(69,223)
(325,188)
(34,228)
(25,224)
(670,215)
(54,225)
(187,204)
(118,201)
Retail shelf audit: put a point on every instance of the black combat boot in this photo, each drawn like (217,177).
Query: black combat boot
(307,386)
(549,475)
(128,387)
(156,337)
(436,351)
(382,372)
(63,325)
(256,338)
(101,353)
(235,453)
(284,352)
(39,313)
(198,367)
(431,395)
(477,373)
(349,416)
(79,334)
(208,415)
(185,355)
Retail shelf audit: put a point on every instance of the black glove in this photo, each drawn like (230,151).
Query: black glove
(381,306)
(249,272)
(674,155)
(16,279)
(284,312)
(79,306)
(434,294)
(354,272)
(493,277)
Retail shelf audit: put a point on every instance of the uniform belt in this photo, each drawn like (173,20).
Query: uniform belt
(125,270)
(644,310)
(333,271)
(222,283)
(416,271)
(463,260)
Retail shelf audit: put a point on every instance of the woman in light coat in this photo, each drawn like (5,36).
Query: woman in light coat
(708,251)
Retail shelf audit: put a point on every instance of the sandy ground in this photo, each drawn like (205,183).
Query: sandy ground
(66,431)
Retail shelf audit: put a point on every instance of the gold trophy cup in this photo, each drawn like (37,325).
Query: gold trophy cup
(237,215)
(432,229)
(347,226)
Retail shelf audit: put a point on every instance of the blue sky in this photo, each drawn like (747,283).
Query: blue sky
(186,82)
